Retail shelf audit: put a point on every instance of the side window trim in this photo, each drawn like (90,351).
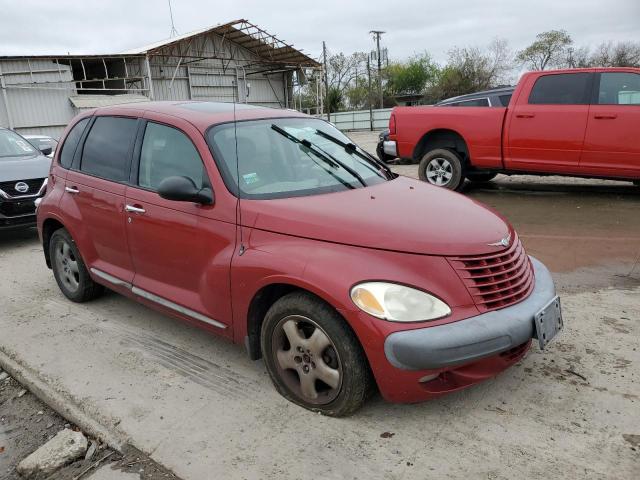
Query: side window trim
(80,140)
(77,160)
(137,154)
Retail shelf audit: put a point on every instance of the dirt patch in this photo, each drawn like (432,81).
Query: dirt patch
(26,424)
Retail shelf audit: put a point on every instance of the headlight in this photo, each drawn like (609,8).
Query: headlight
(397,303)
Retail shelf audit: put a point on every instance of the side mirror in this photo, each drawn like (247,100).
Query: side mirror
(183,189)
(46,151)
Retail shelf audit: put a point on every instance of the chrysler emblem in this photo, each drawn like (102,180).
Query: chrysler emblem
(21,187)
(505,242)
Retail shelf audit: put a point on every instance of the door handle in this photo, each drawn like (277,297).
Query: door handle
(71,189)
(133,209)
(602,116)
(525,115)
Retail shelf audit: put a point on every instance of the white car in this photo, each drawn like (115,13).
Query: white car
(43,143)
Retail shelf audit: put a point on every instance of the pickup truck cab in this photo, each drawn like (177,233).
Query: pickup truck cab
(579,122)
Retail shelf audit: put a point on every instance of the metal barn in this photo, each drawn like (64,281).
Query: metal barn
(235,61)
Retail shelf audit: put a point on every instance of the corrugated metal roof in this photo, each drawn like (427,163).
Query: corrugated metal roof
(245,34)
(96,101)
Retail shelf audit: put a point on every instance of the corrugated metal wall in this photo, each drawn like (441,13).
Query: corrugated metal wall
(37,96)
(216,80)
(37,91)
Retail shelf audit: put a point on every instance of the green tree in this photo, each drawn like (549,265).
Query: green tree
(412,77)
(471,69)
(548,50)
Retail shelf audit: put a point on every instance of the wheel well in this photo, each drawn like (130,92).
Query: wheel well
(441,138)
(49,226)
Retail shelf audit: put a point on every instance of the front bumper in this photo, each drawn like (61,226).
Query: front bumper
(389,147)
(474,338)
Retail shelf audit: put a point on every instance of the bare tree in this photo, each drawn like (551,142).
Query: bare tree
(621,54)
(548,50)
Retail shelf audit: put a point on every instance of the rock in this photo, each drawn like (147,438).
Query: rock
(21,393)
(3,376)
(62,449)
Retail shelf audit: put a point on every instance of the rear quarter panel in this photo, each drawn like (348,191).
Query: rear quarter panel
(480,127)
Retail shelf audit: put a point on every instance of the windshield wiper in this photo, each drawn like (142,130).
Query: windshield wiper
(351,147)
(320,153)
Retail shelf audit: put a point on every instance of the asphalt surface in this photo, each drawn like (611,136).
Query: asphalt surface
(199,407)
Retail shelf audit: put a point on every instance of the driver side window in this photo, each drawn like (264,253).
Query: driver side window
(167,152)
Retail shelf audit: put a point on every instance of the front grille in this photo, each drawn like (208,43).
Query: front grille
(496,280)
(34,185)
(16,209)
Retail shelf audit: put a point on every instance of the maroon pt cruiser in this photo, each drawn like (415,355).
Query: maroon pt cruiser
(272,229)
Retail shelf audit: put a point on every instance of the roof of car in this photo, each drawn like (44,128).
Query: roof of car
(201,114)
(482,94)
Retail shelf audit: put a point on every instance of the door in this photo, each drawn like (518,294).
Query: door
(181,254)
(611,144)
(94,198)
(546,130)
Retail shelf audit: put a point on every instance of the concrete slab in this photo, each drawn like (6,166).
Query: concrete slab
(198,406)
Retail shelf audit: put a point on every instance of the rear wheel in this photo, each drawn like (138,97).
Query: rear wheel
(442,168)
(313,358)
(69,269)
(481,177)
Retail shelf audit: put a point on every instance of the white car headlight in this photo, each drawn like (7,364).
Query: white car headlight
(397,303)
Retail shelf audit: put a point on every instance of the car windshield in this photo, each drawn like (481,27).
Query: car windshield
(43,142)
(289,157)
(13,145)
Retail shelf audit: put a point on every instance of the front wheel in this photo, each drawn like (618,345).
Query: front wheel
(313,357)
(442,168)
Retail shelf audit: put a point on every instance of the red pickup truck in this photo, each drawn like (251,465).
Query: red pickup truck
(579,122)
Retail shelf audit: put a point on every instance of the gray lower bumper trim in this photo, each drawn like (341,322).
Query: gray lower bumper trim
(473,338)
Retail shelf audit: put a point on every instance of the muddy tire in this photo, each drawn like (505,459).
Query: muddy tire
(69,269)
(481,177)
(442,168)
(313,358)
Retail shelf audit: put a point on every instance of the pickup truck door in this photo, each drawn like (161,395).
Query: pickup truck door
(546,126)
(611,145)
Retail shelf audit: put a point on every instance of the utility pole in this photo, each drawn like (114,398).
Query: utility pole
(326,82)
(377,34)
(369,95)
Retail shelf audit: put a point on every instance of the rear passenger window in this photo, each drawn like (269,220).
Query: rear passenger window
(476,102)
(619,89)
(167,152)
(561,89)
(106,150)
(71,143)
(504,100)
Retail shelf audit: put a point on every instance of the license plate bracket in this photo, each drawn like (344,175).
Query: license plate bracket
(548,322)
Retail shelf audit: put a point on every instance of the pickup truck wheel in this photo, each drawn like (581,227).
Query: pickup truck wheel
(481,177)
(312,357)
(69,269)
(442,168)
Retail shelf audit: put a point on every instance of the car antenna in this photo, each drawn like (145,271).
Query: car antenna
(239,207)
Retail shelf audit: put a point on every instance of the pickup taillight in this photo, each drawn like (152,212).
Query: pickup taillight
(392,124)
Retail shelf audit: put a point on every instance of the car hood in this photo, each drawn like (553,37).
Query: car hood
(24,168)
(403,215)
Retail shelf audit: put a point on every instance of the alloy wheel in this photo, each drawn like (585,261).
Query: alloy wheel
(439,171)
(307,360)
(67,266)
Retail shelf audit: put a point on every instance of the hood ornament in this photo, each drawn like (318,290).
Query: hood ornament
(505,242)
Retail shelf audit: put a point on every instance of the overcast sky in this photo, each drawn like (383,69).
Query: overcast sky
(60,26)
